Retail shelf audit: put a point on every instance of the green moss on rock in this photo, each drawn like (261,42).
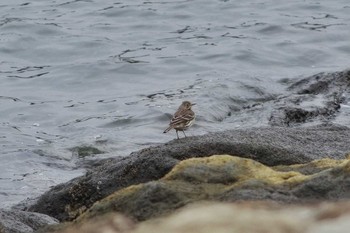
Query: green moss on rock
(85,151)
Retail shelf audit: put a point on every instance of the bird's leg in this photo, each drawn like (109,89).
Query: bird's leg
(177,135)
(184,133)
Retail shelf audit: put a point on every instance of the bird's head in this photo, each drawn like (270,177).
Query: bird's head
(187,104)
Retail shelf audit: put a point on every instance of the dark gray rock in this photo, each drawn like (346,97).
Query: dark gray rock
(270,146)
(313,99)
(333,184)
(257,193)
(67,201)
(16,221)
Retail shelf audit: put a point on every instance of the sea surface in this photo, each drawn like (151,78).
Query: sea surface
(110,73)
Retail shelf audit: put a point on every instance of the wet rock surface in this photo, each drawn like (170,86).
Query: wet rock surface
(316,98)
(16,221)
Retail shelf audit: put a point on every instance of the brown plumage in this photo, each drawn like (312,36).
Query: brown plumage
(182,119)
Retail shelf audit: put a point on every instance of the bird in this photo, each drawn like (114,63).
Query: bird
(182,119)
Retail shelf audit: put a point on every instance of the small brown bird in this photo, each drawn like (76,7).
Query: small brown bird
(182,119)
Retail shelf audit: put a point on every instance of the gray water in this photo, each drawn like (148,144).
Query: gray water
(109,73)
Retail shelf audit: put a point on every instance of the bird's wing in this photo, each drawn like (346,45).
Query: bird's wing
(182,118)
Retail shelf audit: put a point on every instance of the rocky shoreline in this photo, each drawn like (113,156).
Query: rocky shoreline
(293,176)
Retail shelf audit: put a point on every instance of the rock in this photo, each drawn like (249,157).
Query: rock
(331,184)
(190,181)
(316,98)
(228,218)
(69,200)
(313,167)
(16,221)
(223,178)
(110,223)
(252,217)
(248,217)
(270,146)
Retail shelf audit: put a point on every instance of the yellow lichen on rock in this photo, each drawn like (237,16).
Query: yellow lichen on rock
(107,204)
(347,167)
(227,169)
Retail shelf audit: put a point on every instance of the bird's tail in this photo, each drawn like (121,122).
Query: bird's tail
(168,129)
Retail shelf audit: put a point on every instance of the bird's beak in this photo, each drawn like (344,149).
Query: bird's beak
(193,104)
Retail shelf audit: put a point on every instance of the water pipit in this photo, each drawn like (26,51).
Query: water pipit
(182,119)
